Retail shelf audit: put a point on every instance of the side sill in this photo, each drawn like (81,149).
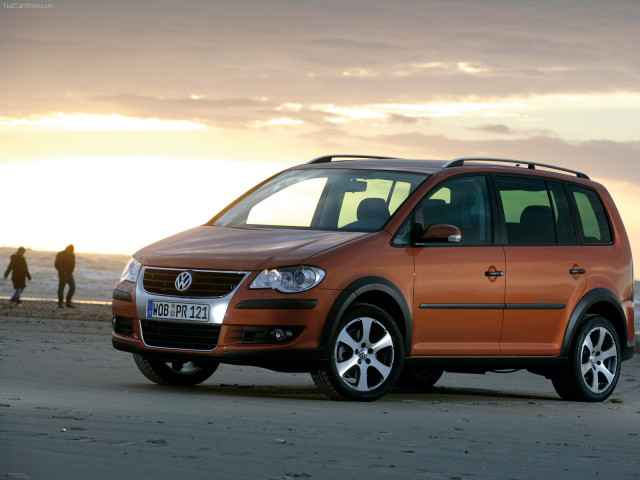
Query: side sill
(486,364)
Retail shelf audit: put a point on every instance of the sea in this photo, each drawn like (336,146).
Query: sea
(96,275)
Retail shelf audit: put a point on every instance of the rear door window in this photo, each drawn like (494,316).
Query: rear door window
(562,214)
(529,215)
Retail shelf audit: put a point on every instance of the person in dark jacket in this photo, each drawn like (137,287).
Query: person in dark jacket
(18,265)
(65,263)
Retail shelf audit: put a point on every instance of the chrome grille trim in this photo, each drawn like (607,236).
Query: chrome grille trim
(217,305)
(206,283)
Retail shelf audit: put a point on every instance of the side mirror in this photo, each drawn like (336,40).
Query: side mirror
(442,233)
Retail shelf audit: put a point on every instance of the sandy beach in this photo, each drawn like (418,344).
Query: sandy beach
(73,407)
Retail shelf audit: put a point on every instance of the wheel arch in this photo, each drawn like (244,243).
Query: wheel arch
(599,301)
(376,291)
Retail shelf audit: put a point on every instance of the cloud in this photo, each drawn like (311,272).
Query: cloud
(229,112)
(343,52)
(598,159)
(496,128)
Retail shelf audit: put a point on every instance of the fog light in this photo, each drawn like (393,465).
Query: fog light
(113,322)
(278,334)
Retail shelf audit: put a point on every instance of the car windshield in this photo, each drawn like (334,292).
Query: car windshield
(323,199)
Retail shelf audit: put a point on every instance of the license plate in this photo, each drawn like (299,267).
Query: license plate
(178,311)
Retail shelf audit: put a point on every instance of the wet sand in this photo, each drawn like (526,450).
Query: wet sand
(72,407)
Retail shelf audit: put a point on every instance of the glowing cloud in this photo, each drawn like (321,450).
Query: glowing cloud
(385,111)
(111,123)
(278,122)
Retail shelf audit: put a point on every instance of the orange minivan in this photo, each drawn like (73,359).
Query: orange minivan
(370,271)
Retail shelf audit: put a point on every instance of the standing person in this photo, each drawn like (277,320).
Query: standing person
(18,265)
(65,263)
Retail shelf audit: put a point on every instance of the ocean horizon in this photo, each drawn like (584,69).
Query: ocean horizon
(96,275)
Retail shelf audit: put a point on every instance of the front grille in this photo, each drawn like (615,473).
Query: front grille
(184,336)
(206,283)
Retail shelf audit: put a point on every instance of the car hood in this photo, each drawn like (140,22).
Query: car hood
(224,248)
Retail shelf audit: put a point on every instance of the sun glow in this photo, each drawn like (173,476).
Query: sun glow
(108,209)
(507,107)
(278,122)
(107,123)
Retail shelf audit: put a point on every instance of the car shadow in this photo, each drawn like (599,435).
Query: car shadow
(468,394)
(397,394)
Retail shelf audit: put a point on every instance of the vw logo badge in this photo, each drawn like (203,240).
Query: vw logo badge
(183,282)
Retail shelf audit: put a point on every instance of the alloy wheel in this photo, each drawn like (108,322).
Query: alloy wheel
(364,354)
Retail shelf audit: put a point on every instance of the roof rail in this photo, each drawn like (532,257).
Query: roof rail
(459,162)
(329,158)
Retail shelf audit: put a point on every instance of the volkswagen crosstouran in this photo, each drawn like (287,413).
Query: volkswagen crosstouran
(371,271)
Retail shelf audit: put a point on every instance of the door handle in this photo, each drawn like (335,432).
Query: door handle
(495,273)
(577,271)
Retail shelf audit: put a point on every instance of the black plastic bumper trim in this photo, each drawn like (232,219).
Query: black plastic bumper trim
(278,304)
(121,295)
(285,360)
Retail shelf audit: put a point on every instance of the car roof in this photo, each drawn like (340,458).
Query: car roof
(372,162)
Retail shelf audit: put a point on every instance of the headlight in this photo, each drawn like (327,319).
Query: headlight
(130,272)
(289,279)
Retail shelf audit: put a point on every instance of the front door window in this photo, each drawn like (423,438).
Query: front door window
(464,203)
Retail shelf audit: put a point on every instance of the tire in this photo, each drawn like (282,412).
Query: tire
(366,355)
(419,377)
(175,372)
(593,369)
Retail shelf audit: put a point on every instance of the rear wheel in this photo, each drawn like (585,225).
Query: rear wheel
(593,369)
(366,356)
(175,372)
(419,377)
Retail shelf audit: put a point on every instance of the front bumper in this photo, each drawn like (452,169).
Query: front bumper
(290,360)
(252,327)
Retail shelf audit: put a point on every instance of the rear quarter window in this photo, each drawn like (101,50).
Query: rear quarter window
(592,220)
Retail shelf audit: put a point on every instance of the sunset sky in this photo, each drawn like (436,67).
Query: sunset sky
(125,121)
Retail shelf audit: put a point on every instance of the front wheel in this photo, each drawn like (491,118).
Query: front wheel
(175,372)
(366,356)
(593,369)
